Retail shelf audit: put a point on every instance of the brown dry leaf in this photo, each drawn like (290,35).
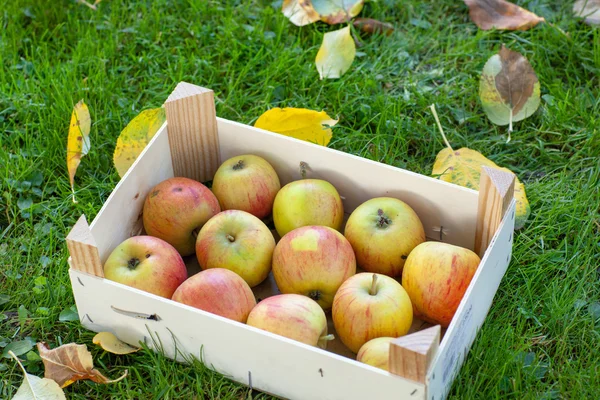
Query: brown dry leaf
(500,14)
(333,11)
(588,9)
(34,387)
(297,14)
(300,123)
(369,25)
(69,363)
(78,142)
(112,344)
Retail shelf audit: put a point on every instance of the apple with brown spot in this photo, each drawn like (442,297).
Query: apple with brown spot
(176,209)
(248,183)
(293,316)
(313,261)
(368,306)
(146,263)
(436,276)
(376,352)
(218,291)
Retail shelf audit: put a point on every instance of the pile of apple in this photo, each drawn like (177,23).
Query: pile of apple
(313,264)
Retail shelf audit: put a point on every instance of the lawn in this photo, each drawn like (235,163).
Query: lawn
(541,339)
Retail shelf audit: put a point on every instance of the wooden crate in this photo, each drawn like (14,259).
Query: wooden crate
(192,143)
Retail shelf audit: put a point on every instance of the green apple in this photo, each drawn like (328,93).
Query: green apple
(383,231)
(368,306)
(146,263)
(307,202)
(238,241)
(176,209)
(248,183)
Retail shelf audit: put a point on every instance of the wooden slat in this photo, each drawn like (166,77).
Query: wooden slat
(193,135)
(411,355)
(496,191)
(83,249)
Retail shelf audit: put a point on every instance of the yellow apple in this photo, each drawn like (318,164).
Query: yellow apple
(376,352)
(307,202)
(383,231)
(368,306)
(436,277)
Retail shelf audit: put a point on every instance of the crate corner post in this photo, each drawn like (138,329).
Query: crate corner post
(496,191)
(83,249)
(192,131)
(411,355)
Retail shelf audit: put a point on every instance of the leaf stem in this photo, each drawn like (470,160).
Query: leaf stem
(510,126)
(437,121)
(10,353)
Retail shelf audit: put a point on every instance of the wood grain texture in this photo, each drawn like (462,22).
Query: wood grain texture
(83,250)
(411,355)
(193,136)
(496,191)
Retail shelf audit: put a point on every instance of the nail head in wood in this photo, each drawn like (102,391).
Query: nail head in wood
(411,355)
(83,250)
(192,128)
(496,191)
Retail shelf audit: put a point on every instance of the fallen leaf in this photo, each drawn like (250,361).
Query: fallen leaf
(369,25)
(90,5)
(336,53)
(299,15)
(509,88)
(112,344)
(69,363)
(34,388)
(500,14)
(588,9)
(463,167)
(298,123)
(334,11)
(136,135)
(78,143)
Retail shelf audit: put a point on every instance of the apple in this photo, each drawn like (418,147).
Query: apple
(238,241)
(293,316)
(218,291)
(436,277)
(313,261)
(176,209)
(248,183)
(307,202)
(383,231)
(368,306)
(146,263)
(376,352)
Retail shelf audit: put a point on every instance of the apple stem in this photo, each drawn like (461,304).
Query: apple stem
(373,290)
(327,338)
(239,165)
(230,238)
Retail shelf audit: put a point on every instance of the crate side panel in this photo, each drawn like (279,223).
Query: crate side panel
(274,364)
(121,214)
(472,310)
(447,211)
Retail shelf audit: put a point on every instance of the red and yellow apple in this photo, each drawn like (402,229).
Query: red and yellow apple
(436,277)
(218,291)
(248,183)
(237,241)
(376,352)
(293,316)
(383,231)
(368,306)
(176,209)
(313,261)
(146,263)
(307,202)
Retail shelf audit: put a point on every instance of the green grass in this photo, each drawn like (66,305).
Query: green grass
(542,336)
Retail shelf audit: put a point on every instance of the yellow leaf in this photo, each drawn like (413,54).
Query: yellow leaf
(112,344)
(34,387)
(334,11)
(336,53)
(298,123)
(463,167)
(78,143)
(135,137)
(69,363)
(299,15)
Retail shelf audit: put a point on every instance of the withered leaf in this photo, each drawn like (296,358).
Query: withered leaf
(369,25)
(588,9)
(300,123)
(36,388)
(298,14)
(109,342)
(78,142)
(336,54)
(69,363)
(509,88)
(333,11)
(501,14)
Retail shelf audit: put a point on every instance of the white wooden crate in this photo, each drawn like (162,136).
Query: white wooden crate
(192,143)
